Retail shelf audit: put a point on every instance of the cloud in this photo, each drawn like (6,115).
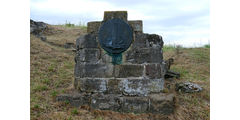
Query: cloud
(175,20)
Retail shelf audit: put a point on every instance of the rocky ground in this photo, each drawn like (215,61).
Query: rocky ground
(52,67)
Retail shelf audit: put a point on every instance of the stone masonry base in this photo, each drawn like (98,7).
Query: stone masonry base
(160,103)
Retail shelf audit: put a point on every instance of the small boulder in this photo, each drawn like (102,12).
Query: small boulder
(188,87)
(37,28)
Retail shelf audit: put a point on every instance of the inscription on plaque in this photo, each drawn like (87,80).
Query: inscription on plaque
(115,36)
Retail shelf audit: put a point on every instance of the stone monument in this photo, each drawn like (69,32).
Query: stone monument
(120,68)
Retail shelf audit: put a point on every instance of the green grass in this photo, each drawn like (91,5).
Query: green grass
(81,25)
(40,88)
(74,111)
(168,48)
(54,93)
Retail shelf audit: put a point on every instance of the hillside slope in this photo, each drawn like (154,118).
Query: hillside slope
(52,73)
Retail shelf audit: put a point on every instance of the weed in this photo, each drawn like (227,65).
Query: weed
(40,88)
(54,93)
(36,106)
(62,91)
(51,68)
(46,81)
(68,65)
(66,102)
(74,111)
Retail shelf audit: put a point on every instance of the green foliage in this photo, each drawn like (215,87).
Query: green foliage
(183,71)
(207,46)
(54,93)
(62,91)
(74,111)
(168,48)
(46,81)
(40,88)
(66,102)
(68,65)
(51,68)
(68,24)
(36,106)
(171,48)
(71,25)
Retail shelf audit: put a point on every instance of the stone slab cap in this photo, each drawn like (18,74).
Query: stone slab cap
(115,14)
(92,27)
(136,25)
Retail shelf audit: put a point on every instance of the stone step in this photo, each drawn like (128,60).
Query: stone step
(161,103)
(125,86)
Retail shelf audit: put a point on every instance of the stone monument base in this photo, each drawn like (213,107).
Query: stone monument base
(160,103)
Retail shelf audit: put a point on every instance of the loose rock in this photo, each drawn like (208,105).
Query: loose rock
(188,87)
(37,28)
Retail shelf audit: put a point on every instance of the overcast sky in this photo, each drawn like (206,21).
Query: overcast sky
(184,22)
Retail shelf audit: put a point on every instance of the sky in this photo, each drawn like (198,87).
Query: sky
(179,22)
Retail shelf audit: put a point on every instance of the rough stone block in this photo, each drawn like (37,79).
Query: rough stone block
(154,40)
(144,55)
(105,57)
(143,40)
(140,87)
(153,71)
(87,41)
(115,14)
(113,86)
(88,55)
(90,85)
(162,103)
(106,102)
(154,103)
(140,40)
(92,27)
(135,104)
(94,70)
(123,71)
(75,99)
(136,25)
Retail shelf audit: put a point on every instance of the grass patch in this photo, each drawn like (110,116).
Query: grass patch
(200,55)
(46,81)
(68,24)
(74,111)
(54,93)
(168,48)
(40,88)
(183,72)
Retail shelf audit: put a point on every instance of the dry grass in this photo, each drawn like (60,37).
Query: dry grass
(62,34)
(194,66)
(52,74)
